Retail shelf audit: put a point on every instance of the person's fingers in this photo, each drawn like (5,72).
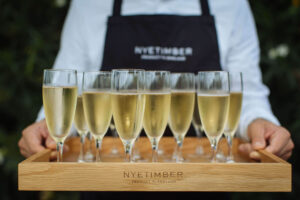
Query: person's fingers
(66,148)
(34,142)
(286,156)
(255,155)
(275,139)
(256,134)
(278,140)
(24,153)
(22,148)
(50,143)
(245,148)
(288,148)
(53,155)
(21,144)
(44,128)
(32,139)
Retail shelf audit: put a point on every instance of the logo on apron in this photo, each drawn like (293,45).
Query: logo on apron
(178,54)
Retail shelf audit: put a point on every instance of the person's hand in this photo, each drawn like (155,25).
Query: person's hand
(35,138)
(266,135)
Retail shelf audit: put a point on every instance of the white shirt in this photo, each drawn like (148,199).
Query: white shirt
(83,39)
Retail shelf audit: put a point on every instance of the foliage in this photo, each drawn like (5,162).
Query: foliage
(30,32)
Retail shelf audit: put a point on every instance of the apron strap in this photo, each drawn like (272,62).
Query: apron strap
(204,7)
(117,8)
(118,4)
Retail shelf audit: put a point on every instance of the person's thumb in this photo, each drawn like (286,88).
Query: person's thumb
(256,135)
(245,148)
(50,143)
(43,129)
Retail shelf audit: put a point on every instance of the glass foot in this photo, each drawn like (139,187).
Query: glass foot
(221,157)
(88,157)
(80,161)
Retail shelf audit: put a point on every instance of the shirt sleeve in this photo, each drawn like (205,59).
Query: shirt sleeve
(244,55)
(73,47)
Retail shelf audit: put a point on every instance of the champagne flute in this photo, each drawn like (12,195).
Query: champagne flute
(235,107)
(157,107)
(97,105)
(128,103)
(213,104)
(198,127)
(59,99)
(79,119)
(182,107)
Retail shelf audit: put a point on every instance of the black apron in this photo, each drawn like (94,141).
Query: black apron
(162,42)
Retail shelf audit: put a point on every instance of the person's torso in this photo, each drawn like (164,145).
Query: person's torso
(95,14)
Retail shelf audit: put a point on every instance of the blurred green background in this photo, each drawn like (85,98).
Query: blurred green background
(29,41)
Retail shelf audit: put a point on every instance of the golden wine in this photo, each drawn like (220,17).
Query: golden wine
(80,122)
(196,116)
(157,110)
(98,112)
(235,107)
(140,122)
(181,112)
(128,112)
(213,111)
(59,104)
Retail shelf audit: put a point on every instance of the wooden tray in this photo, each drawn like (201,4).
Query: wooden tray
(37,173)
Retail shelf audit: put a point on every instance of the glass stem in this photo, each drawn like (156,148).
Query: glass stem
(154,143)
(214,146)
(98,148)
(128,148)
(90,143)
(198,131)
(179,151)
(199,148)
(88,156)
(82,141)
(229,142)
(174,155)
(59,148)
(114,149)
(135,149)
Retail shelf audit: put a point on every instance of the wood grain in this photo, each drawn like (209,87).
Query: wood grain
(269,157)
(42,156)
(36,173)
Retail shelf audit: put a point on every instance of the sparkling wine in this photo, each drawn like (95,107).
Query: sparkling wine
(98,111)
(128,113)
(213,111)
(59,104)
(235,107)
(80,122)
(181,112)
(157,110)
